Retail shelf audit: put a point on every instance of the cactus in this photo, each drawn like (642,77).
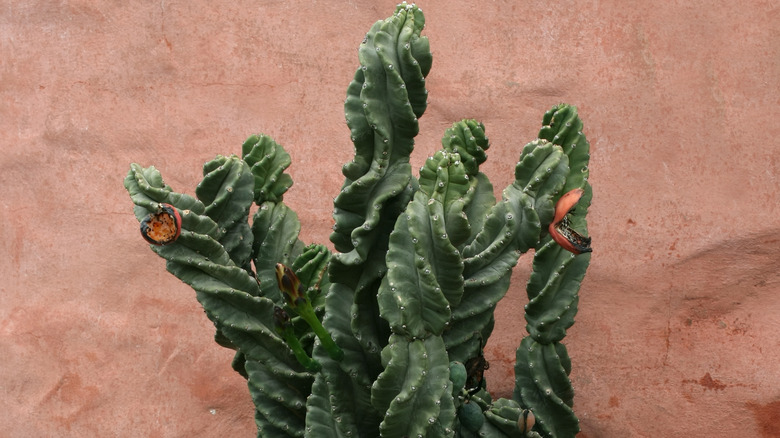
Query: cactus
(384,337)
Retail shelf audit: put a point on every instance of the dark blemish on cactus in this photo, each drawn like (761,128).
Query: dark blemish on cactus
(281,318)
(163,226)
(475,371)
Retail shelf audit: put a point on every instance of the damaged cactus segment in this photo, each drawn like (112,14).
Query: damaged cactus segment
(163,226)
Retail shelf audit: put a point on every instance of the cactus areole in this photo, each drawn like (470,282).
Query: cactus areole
(384,336)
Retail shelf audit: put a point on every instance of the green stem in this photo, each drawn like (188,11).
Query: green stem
(284,328)
(305,311)
(293,342)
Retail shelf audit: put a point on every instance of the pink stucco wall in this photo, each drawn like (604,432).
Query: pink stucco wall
(677,333)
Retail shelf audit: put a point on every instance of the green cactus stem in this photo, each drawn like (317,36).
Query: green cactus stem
(383,104)
(226,191)
(267,160)
(543,365)
(229,293)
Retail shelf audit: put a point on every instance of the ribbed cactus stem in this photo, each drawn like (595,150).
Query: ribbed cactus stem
(543,366)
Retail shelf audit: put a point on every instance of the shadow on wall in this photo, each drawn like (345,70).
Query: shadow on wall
(720,279)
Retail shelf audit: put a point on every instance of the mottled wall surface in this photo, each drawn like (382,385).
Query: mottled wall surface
(677,333)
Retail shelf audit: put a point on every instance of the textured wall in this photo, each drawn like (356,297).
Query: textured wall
(677,333)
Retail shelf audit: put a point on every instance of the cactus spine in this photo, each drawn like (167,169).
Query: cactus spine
(384,337)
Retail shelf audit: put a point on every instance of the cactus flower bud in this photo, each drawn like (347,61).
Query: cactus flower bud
(294,293)
(290,285)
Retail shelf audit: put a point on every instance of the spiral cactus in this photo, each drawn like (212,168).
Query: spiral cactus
(385,336)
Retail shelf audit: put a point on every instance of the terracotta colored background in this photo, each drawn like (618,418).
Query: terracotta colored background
(678,332)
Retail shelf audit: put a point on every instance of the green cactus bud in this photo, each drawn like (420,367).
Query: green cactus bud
(471,417)
(310,267)
(457,377)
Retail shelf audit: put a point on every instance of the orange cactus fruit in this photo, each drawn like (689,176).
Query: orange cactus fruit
(559,228)
(163,226)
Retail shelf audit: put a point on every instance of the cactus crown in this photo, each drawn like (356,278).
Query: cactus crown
(384,337)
